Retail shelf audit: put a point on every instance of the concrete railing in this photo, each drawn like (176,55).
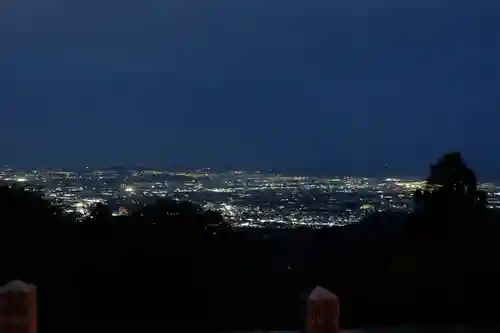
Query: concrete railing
(18,309)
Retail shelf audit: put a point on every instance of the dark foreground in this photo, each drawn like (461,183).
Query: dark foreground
(170,266)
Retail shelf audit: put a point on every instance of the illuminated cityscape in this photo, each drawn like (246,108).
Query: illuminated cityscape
(245,198)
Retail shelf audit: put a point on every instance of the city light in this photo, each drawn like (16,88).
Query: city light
(244,198)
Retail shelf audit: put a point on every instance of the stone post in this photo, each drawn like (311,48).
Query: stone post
(323,312)
(18,310)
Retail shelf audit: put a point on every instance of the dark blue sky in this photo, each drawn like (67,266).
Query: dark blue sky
(339,85)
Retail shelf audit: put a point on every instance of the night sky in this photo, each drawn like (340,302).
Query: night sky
(344,86)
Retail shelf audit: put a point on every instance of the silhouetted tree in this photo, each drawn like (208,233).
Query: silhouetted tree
(451,190)
(100,213)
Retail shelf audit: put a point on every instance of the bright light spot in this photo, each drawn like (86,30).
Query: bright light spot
(21,180)
(129,189)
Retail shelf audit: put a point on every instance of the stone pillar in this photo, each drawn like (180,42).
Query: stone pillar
(323,312)
(18,310)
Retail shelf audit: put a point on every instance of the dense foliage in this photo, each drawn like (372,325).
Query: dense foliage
(175,266)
